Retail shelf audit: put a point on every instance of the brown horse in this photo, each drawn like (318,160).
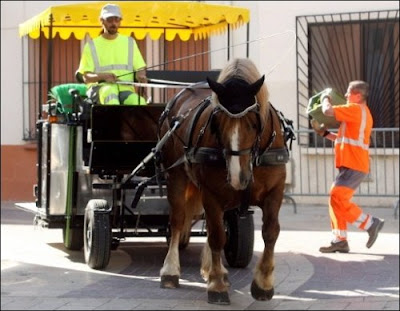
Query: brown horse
(219,153)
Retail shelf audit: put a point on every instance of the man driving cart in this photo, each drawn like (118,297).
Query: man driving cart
(109,58)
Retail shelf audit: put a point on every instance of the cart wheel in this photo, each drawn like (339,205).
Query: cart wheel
(239,239)
(97,234)
(184,241)
(75,242)
(114,244)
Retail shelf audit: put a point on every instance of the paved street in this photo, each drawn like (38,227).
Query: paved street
(37,273)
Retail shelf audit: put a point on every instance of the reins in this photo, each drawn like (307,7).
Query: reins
(284,55)
(193,153)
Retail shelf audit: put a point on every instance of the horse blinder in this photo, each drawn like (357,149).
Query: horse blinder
(236,96)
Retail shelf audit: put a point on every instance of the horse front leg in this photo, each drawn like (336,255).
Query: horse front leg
(206,265)
(212,269)
(262,287)
(185,201)
(170,272)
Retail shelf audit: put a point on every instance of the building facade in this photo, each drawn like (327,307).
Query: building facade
(278,32)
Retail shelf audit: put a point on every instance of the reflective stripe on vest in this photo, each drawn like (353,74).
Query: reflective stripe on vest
(360,141)
(110,98)
(98,68)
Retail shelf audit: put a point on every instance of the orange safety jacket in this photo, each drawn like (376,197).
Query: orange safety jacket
(352,141)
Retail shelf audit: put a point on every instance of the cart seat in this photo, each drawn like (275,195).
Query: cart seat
(121,137)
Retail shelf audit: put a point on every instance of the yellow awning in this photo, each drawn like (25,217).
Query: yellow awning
(153,18)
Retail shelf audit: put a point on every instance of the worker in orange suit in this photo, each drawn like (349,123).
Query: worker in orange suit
(352,161)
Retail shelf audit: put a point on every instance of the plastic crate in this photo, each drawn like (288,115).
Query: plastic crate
(314,108)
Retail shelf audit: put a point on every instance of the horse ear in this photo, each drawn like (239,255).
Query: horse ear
(256,86)
(215,86)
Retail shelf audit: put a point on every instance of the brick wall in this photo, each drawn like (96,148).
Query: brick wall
(18,172)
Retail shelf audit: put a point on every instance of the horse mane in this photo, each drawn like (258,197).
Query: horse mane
(245,69)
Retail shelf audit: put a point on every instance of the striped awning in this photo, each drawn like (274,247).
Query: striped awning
(153,18)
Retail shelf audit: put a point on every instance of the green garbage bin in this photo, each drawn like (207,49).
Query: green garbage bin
(314,108)
(64,100)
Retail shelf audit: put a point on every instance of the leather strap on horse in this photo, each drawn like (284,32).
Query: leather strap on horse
(278,156)
(287,125)
(245,202)
(172,102)
(166,111)
(211,156)
(273,157)
(191,152)
(203,105)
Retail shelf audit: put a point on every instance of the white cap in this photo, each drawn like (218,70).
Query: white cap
(110,10)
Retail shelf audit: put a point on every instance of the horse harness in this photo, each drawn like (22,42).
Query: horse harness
(216,156)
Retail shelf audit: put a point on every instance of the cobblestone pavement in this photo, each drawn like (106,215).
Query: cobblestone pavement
(37,273)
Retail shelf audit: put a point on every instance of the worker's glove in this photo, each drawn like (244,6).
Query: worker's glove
(318,128)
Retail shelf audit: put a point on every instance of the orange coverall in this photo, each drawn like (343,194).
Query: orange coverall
(352,160)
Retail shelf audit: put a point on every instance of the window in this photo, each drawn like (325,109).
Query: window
(334,49)
(65,55)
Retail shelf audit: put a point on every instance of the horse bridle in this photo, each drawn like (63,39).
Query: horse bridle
(191,146)
(254,149)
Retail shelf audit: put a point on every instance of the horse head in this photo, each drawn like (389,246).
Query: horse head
(238,126)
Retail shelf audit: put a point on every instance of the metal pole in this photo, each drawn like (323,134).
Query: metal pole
(248,40)
(40,74)
(229,42)
(50,55)
(39,129)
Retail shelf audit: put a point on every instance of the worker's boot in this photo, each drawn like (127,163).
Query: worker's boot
(377,225)
(341,247)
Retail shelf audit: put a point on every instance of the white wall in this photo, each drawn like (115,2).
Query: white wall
(267,18)
(14,13)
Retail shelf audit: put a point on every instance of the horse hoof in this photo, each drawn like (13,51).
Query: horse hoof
(218,298)
(226,280)
(169,281)
(261,294)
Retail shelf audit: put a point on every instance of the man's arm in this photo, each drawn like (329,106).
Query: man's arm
(330,135)
(328,111)
(327,106)
(141,76)
(139,65)
(91,77)
(322,131)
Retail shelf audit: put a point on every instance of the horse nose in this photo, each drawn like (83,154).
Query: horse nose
(240,172)
(245,178)
(241,181)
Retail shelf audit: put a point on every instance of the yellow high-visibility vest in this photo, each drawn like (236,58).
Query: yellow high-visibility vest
(120,56)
